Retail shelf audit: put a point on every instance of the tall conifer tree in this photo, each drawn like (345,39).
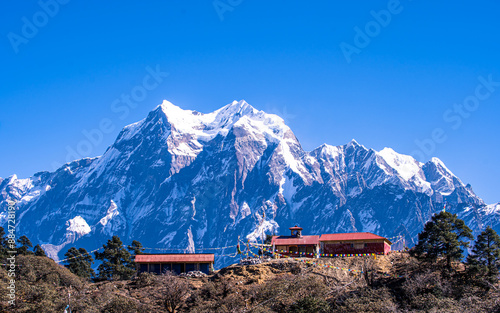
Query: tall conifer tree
(80,262)
(485,256)
(116,263)
(445,235)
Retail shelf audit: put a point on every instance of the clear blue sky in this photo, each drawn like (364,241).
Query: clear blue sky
(286,58)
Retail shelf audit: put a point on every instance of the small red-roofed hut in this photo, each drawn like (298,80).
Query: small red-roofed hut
(178,263)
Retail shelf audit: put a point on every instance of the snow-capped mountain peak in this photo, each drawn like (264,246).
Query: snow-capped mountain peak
(404,165)
(440,165)
(238,108)
(441,178)
(207,126)
(353,143)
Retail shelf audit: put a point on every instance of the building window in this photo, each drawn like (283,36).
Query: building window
(143,268)
(204,267)
(190,267)
(359,246)
(166,267)
(155,268)
(177,268)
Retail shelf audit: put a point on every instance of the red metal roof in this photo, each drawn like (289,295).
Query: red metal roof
(295,228)
(350,236)
(288,240)
(166,258)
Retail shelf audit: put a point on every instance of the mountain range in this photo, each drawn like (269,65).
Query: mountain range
(186,181)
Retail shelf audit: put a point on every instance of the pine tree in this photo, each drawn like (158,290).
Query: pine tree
(485,256)
(80,262)
(136,248)
(269,239)
(3,239)
(39,251)
(25,245)
(443,236)
(3,244)
(117,262)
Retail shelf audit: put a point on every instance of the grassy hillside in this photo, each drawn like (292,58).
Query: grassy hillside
(393,283)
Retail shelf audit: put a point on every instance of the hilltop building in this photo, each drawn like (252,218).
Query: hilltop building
(354,243)
(330,244)
(178,263)
(296,244)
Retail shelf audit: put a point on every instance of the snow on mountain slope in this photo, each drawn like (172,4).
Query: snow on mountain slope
(205,127)
(405,166)
(182,179)
(376,168)
(478,217)
(77,227)
(112,212)
(492,209)
(441,178)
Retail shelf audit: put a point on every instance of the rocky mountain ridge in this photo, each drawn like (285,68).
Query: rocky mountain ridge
(185,180)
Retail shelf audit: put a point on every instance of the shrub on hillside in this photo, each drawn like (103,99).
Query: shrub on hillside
(44,270)
(310,304)
(428,282)
(176,290)
(41,284)
(146,279)
(290,291)
(365,299)
(221,295)
(119,304)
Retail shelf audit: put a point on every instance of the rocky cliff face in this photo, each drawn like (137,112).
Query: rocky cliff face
(184,180)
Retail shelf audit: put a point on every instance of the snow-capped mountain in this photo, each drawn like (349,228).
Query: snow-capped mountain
(185,180)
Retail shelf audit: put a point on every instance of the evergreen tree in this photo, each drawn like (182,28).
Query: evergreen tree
(136,248)
(485,256)
(80,262)
(443,236)
(25,245)
(3,239)
(3,244)
(117,262)
(39,251)
(269,239)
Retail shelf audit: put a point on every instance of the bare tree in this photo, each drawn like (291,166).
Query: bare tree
(176,289)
